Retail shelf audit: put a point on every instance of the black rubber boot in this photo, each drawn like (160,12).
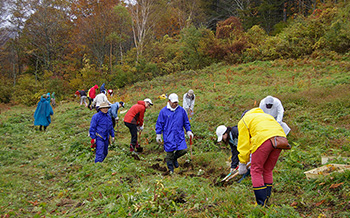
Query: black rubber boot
(176,164)
(170,166)
(260,195)
(268,191)
(139,148)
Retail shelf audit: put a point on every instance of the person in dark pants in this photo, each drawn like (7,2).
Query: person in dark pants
(92,95)
(171,122)
(100,129)
(113,111)
(134,121)
(42,114)
(229,135)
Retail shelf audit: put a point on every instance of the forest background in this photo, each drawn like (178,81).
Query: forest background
(232,53)
(66,45)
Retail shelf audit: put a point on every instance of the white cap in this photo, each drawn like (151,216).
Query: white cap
(190,92)
(173,97)
(220,132)
(148,100)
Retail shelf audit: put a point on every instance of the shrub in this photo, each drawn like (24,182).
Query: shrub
(230,41)
(5,91)
(31,90)
(337,36)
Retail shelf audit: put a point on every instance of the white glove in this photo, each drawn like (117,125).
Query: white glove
(159,138)
(117,118)
(242,168)
(139,128)
(189,134)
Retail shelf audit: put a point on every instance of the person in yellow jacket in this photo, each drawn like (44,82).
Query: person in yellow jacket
(255,129)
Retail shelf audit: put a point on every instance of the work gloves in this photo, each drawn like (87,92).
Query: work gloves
(234,169)
(140,128)
(159,138)
(242,168)
(189,134)
(93,143)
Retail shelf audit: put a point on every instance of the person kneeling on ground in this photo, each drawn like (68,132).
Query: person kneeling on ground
(172,120)
(101,128)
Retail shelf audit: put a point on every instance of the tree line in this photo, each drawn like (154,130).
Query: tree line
(66,45)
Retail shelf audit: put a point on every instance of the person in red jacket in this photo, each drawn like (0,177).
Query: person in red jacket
(134,121)
(92,95)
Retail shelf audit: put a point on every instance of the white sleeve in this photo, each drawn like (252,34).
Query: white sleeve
(262,105)
(192,105)
(280,111)
(184,101)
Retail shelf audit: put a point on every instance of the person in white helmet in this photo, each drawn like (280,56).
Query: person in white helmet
(134,121)
(229,135)
(172,122)
(273,106)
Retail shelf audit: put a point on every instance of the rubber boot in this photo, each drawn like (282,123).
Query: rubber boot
(170,166)
(132,148)
(176,164)
(268,191)
(260,195)
(139,148)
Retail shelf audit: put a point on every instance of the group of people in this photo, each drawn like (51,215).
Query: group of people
(171,122)
(251,146)
(94,98)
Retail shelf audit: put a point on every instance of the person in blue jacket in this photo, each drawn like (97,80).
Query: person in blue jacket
(101,128)
(43,112)
(171,122)
(113,111)
(102,88)
(48,97)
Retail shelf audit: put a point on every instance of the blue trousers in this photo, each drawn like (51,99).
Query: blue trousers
(101,149)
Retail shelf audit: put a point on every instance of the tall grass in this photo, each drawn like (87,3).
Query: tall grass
(53,174)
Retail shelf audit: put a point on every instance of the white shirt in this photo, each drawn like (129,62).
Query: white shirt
(99,99)
(188,103)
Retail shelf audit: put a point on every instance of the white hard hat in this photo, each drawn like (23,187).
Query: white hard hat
(173,97)
(148,100)
(220,131)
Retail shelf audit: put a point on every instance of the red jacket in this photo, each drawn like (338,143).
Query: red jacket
(135,114)
(92,92)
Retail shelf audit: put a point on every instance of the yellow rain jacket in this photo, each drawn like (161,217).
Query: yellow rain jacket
(255,128)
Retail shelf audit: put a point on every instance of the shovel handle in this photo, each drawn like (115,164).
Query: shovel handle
(191,142)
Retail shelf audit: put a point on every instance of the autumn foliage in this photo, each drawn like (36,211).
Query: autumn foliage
(119,44)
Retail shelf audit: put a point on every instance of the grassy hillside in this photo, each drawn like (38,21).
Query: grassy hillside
(53,174)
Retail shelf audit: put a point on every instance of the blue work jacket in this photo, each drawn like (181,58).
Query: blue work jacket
(113,111)
(172,124)
(101,126)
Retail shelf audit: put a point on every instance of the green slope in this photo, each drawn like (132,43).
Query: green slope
(52,173)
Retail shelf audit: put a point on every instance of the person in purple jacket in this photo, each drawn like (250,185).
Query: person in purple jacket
(171,122)
(101,128)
